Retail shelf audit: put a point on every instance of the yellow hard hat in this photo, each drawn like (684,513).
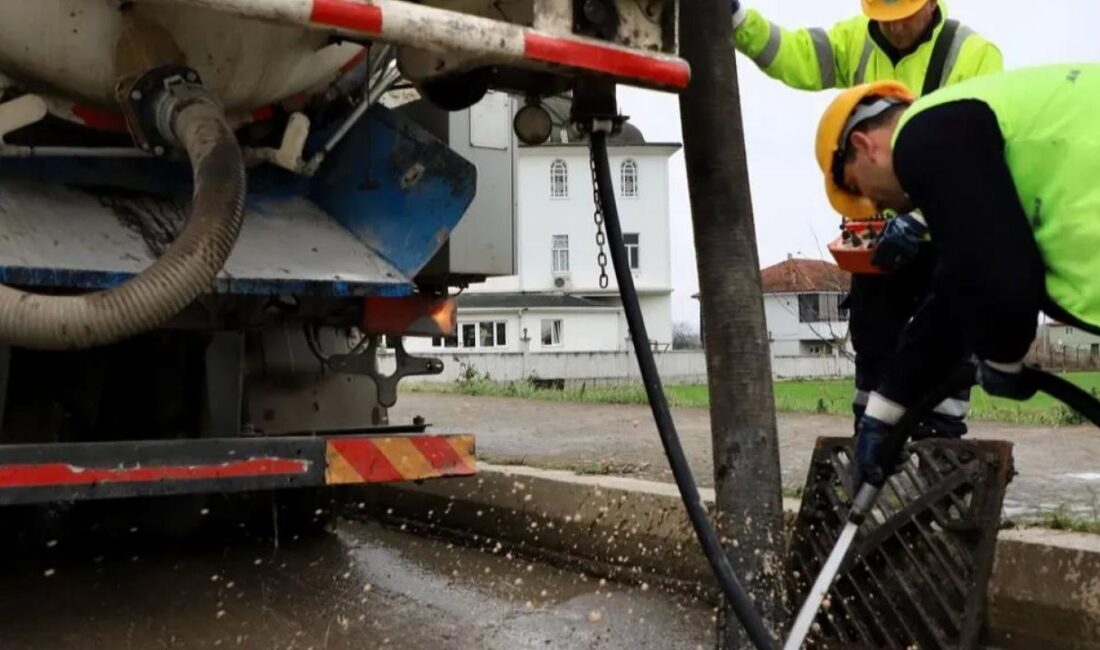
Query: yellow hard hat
(834,127)
(888,10)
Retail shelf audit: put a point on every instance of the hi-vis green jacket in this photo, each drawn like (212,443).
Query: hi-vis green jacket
(854,52)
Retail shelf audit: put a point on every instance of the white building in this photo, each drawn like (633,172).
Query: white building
(554,302)
(802,301)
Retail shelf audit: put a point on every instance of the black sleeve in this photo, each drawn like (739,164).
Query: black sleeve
(951,161)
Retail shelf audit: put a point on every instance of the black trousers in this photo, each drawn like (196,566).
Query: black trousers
(880,306)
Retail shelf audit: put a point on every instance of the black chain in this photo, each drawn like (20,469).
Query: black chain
(597,216)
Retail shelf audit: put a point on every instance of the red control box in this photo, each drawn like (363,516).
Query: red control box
(852,250)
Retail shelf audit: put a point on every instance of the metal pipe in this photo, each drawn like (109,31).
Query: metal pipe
(378,84)
(865,498)
(17,151)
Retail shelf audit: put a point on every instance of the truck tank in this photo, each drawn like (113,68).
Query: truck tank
(68,48)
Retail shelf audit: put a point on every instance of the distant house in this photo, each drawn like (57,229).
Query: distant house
(1060,335)
(1065,347)
(803,307)
(554,302)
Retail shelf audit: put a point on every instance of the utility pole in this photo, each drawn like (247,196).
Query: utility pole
(742,405)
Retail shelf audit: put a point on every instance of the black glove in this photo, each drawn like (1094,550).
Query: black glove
(878,452)
(1006,380)
(899,242)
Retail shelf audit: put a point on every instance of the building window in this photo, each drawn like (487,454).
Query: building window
(469,335)
(632,253)
(444,341)
(481,335)
(817,348)
(821,307)
(551,332)
(492,334)
(559,180)
(560,251)
(809,308)
(628,176)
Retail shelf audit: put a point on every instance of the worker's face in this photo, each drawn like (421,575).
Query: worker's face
(903,34)
(871,172)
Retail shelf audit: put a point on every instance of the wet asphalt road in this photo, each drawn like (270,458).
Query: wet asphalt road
(1059,467)
(110,579)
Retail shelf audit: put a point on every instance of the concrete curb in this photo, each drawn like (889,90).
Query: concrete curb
(1045,590)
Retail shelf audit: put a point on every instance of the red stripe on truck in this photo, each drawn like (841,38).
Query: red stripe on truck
(608,60)
(441,454)
(98,119)
(53,474)
(356,16)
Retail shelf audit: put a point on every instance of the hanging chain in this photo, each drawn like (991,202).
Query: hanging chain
(597,216)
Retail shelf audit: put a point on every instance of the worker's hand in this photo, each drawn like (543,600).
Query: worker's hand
(1006,380)
(899,242)
(878,452)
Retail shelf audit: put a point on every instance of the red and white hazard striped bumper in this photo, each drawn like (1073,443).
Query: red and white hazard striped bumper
(485,40)
(80,471)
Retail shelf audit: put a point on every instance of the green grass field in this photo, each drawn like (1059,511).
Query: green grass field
(834,396)
(825,396)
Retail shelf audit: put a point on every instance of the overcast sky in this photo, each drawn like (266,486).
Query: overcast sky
(792,215)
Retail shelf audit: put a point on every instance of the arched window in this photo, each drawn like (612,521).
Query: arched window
(559,180)
(628,176)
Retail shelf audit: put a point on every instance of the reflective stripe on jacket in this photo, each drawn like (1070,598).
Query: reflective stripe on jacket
(846,55)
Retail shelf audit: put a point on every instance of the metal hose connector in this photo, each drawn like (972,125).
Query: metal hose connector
(186,270)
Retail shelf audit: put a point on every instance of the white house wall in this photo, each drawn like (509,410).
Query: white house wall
(657,311)
(541,217)
(582,330)
(786,332)
(1068,336)
(781,315)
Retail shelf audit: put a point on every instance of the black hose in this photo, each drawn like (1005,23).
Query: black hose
(963,376)
(743,607)
(182,273)
(1069,394)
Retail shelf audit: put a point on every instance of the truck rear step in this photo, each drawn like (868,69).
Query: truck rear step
(45,473)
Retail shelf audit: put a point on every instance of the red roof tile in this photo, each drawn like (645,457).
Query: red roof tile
(804,276)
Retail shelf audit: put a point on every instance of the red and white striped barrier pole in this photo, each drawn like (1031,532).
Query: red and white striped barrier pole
(450,32)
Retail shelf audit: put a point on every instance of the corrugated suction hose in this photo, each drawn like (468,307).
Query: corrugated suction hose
(183,272)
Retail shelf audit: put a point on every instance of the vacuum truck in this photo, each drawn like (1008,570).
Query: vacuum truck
(213,218)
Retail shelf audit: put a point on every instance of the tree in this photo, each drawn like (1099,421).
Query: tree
(685,336)
(742,406)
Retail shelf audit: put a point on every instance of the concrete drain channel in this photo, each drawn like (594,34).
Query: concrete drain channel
(918,573)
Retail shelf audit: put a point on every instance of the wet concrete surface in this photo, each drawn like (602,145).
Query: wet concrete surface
(1058,466)
(109,580)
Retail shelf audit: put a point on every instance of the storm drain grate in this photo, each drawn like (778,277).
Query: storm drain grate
(917,574)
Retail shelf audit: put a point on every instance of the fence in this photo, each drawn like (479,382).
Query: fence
(812,367)
(687,367)
(676,367)
(1062,358)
